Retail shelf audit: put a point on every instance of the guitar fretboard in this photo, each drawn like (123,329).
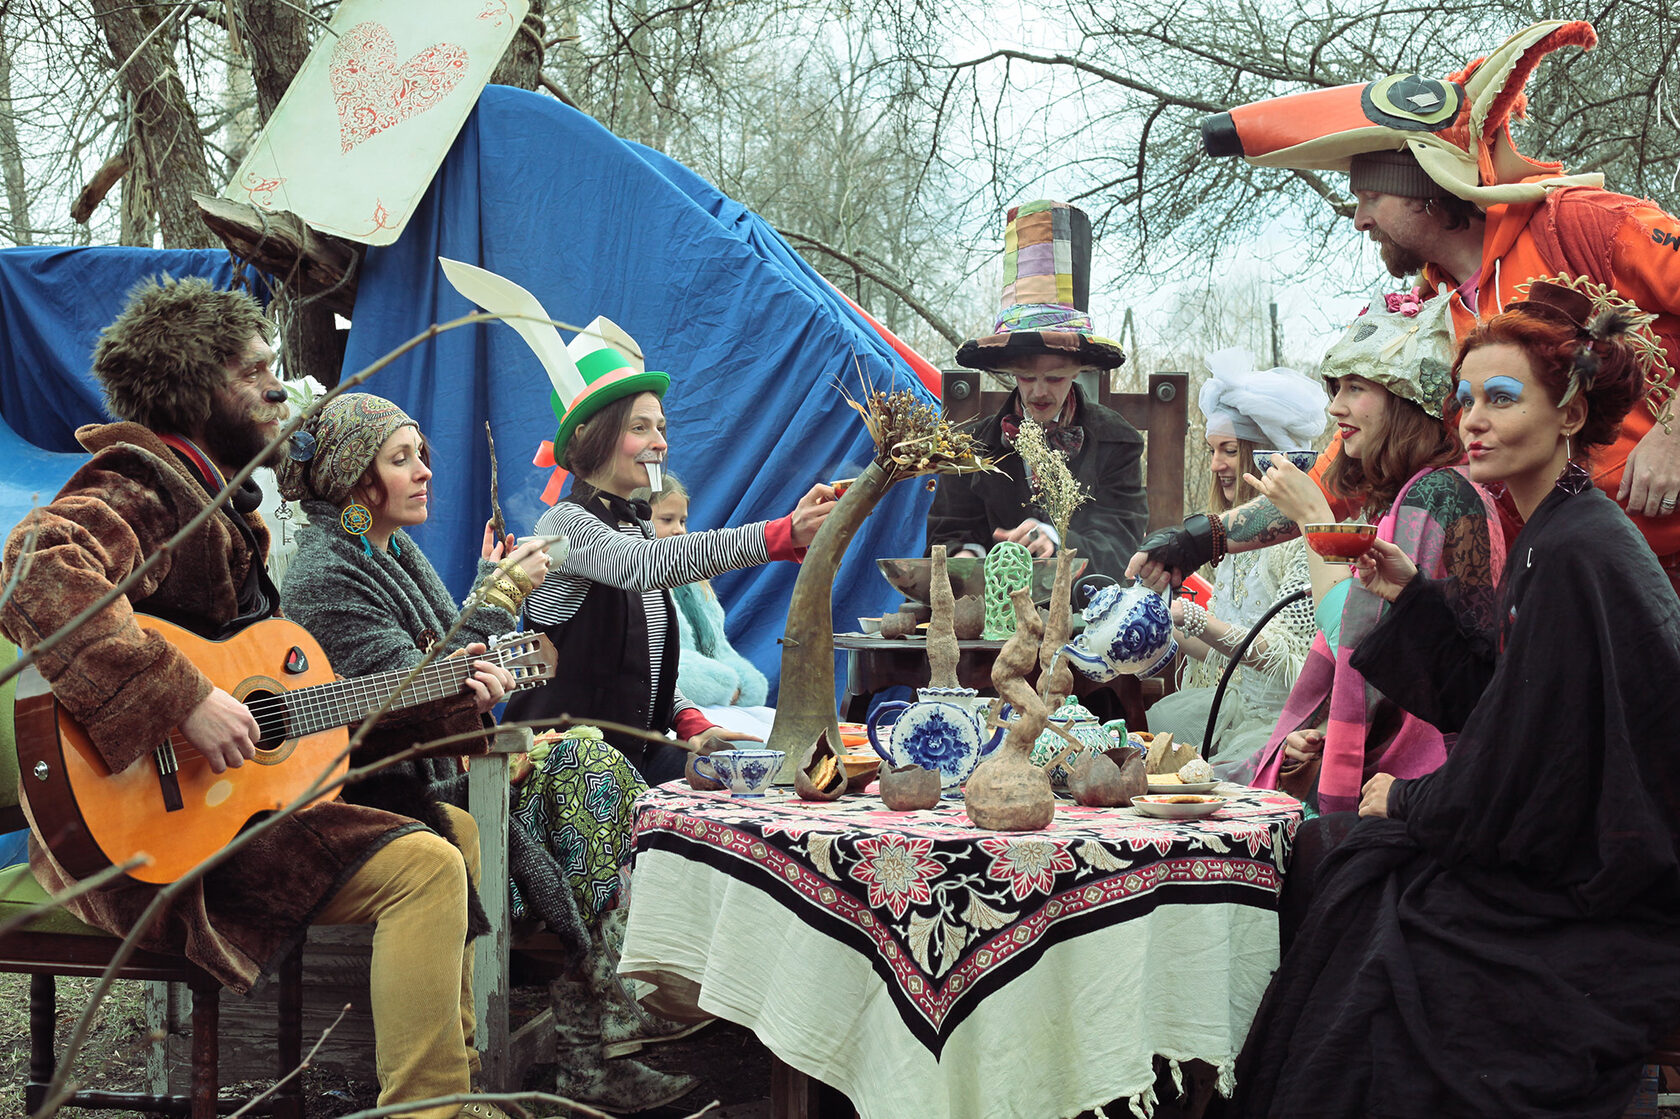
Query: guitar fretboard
(342,702)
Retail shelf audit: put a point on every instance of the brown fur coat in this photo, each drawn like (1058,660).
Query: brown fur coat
(129,688)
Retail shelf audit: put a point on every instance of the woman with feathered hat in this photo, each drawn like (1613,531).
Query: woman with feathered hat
(1501,936)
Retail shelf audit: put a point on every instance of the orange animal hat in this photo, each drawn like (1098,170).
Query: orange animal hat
(1458,128)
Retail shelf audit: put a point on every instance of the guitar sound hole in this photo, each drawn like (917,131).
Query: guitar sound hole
(270,713)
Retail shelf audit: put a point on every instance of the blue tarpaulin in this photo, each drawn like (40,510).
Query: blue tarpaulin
(53,304)
(757,345)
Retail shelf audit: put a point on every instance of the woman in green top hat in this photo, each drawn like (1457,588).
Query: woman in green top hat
(608,607)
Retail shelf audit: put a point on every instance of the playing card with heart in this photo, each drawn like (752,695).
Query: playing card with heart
(358,135)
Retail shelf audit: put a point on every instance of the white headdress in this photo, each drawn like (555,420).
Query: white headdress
(1279,409)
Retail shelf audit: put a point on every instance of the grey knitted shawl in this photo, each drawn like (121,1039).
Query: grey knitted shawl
(371,613)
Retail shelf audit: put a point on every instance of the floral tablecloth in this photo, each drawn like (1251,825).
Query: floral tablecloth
(928,968)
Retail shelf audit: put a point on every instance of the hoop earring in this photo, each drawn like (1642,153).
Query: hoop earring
(356,520)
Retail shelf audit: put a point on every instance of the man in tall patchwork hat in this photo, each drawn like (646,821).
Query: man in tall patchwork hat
(1042,340)
(1442,188)
(188,373)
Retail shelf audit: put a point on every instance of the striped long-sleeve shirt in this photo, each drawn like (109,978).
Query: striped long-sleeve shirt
(627,557)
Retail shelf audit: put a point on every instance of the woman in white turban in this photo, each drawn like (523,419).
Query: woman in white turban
(1247,410)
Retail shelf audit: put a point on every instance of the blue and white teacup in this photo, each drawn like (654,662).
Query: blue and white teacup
(1301,459)
(745,773)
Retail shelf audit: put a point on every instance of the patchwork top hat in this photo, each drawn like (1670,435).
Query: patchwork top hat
(1046,292)
(598,366)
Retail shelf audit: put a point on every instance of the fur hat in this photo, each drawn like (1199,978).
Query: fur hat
(164,358)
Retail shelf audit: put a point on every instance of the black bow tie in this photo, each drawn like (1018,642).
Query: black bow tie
(624,508)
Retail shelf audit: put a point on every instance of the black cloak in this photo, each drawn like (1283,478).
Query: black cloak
(1507,943)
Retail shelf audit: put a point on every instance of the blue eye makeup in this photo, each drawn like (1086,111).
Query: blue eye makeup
(1463,394)
(1508,387)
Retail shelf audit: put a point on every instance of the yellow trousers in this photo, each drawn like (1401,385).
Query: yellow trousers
(413,891)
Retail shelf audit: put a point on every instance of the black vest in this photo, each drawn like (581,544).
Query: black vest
(604,668)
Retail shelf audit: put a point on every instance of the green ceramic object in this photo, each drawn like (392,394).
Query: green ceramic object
(1009,566)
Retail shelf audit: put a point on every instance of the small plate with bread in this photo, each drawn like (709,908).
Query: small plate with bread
(1173,767)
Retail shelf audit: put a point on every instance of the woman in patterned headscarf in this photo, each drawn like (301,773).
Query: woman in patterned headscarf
(362,587)
(1390,375)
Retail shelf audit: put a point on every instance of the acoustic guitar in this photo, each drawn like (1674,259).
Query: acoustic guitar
(168,804)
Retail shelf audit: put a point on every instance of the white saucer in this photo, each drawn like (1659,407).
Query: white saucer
(1161,808)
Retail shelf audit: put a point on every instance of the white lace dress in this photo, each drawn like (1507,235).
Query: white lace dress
(1244,587)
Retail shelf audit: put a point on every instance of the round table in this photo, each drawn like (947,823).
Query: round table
(929,969)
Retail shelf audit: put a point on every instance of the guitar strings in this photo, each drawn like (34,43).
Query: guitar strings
(428,680)
(438,680)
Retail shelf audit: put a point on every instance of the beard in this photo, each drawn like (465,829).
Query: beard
(1400,262)
(234,436)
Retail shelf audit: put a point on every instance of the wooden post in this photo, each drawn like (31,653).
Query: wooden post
(487,800)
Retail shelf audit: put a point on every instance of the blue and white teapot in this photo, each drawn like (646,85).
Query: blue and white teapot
(1127,629)
(945,729)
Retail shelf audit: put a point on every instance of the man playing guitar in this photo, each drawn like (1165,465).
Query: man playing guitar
(187,372)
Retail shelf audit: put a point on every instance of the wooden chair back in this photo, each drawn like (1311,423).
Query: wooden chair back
(1161,413)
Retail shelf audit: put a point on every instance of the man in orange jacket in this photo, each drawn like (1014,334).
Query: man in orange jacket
(1444,192)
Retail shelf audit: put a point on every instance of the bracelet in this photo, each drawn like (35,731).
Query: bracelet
(521,581)
(501,592)
(1216,527)
(1195,619)
(500,601)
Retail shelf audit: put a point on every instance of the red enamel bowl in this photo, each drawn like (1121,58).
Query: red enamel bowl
(1340,541)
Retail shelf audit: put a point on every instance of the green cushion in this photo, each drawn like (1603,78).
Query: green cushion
(8,739)
(19,891)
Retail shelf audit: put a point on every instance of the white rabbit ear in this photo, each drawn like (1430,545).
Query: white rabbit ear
(604,332)
(501,296)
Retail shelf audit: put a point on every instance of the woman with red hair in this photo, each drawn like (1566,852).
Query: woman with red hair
(1502,936)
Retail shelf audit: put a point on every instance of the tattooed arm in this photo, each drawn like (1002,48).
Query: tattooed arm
(1257,524)
(1167,555)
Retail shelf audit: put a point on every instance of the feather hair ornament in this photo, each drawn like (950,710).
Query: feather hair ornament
(1609,315)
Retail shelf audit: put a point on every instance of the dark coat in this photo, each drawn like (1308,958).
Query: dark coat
(1105,530)
(128,688)
(1507,942)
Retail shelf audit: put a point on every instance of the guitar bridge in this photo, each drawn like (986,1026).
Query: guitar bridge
(168,783)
